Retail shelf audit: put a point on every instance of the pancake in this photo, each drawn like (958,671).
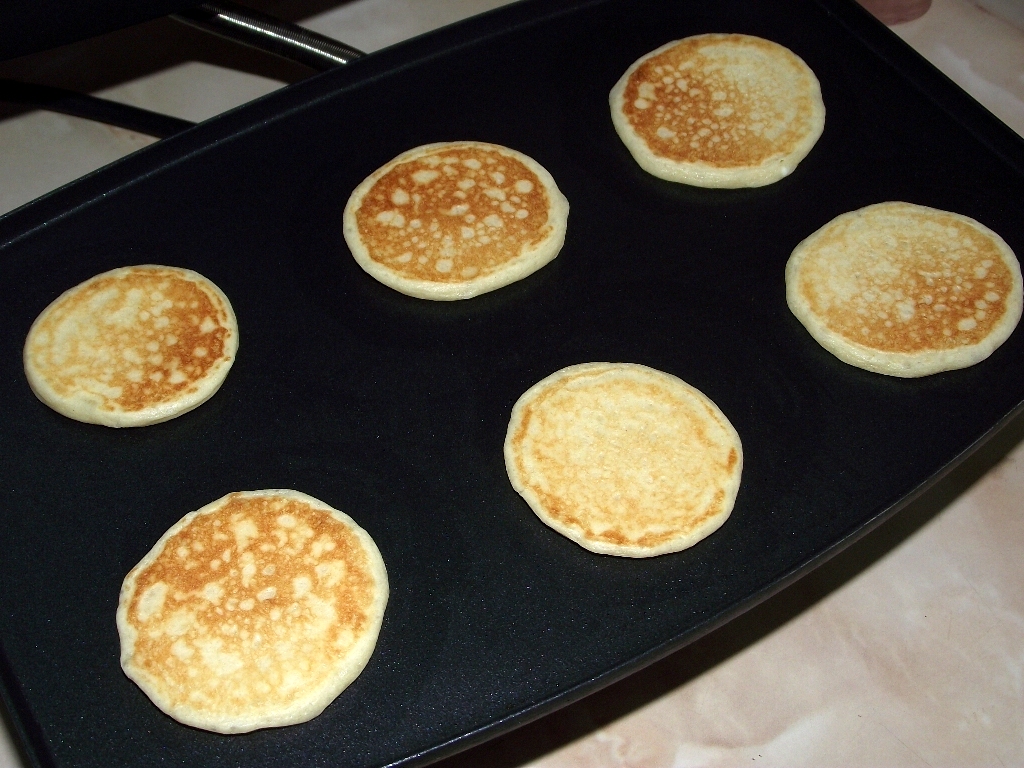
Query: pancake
(255,611)
(719,110)
(905,290)
(133,346)
(454,220)
(623,459)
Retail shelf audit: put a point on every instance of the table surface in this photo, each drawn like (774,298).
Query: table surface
(906,649)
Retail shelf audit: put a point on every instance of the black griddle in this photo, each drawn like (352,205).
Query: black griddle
(394,409)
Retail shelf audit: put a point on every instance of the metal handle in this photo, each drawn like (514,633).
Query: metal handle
(92,108)
(225,19)
(266,33)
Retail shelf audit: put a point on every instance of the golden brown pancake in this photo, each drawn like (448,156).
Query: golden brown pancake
(454,220)
(623,459)
(719,110)
(905,290)
(255,611)
(133,346)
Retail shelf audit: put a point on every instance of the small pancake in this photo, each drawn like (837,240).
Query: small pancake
(719,110)
(253,612)
(905,290)
(623,459)
(133,346)
(454,220)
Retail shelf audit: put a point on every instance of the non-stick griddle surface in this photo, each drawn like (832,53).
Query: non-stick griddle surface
(394,409)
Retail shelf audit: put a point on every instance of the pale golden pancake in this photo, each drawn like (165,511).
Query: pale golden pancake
(719,110)
(905,290)
(255,611)
(454,220)
(133,346)
(623,459)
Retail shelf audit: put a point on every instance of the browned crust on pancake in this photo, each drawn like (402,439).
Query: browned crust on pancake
(719,110)
(904,289)
(132,346)
(455,219)
(255,611)
(623,459)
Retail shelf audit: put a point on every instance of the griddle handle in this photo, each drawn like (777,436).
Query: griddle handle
(91,108)
(290,41)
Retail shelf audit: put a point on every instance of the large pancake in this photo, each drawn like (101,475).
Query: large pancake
(454,220)
(905,290)
(255,611)
(133,346)
(623,459)
(719,110)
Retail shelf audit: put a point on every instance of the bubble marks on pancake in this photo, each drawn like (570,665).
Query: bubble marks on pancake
(719,110)
(454,220)
(255,611)
(905,290)
(623,459)
(133,346)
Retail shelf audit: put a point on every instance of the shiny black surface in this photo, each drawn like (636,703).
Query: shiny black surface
(394,409)
(242,25)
